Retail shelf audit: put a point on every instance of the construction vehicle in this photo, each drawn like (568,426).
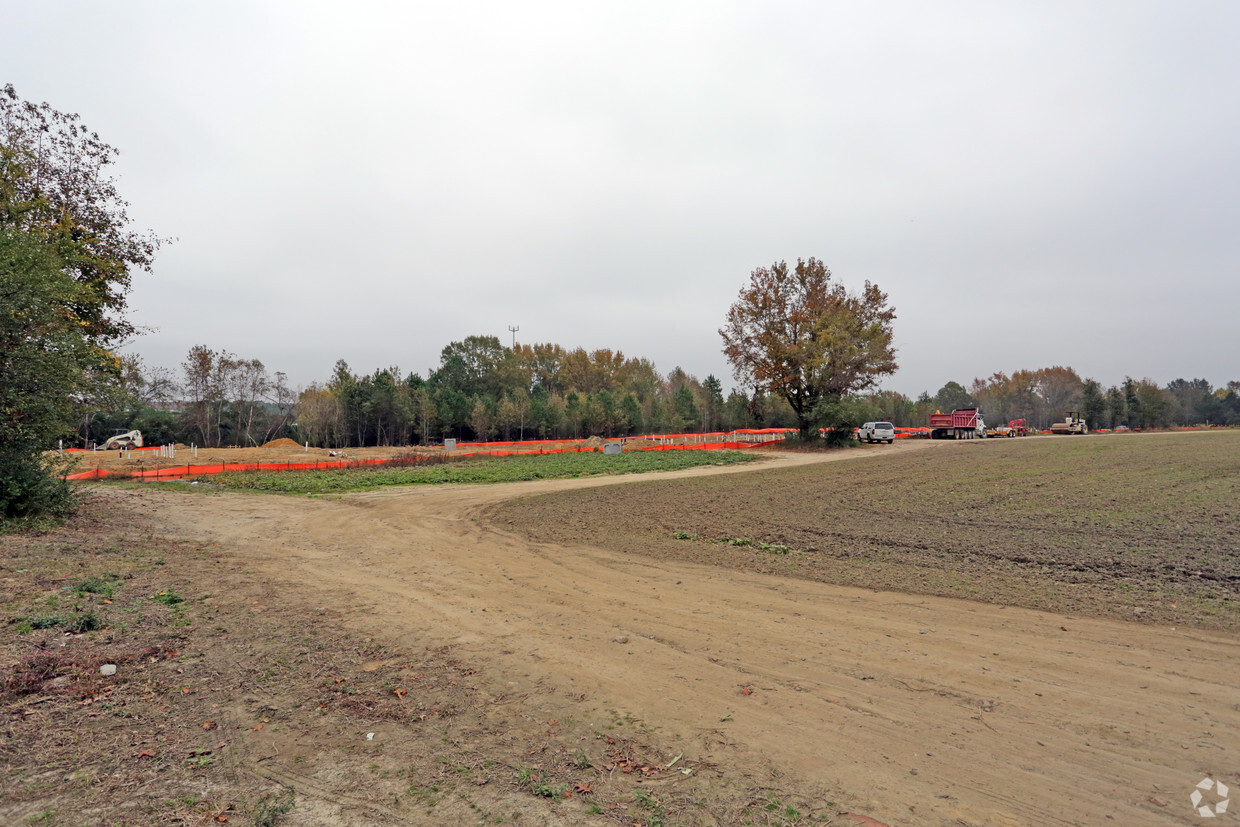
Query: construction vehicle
(1072,424)
(123,439)
(963,423)
(1015,427)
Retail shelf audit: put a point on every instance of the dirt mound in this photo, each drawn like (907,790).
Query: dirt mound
(593,442)
(639,444)
(283,442)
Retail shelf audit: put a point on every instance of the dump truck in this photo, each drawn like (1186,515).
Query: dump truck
(1072,424)
(963,423)
(123,439)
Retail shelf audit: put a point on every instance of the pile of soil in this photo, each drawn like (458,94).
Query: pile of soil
(283,442)
(593,442)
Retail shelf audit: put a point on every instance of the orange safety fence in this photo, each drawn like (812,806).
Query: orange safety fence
(579,445)
(697,446)
(624,439)
(481,449)
(104,450)
(176,472)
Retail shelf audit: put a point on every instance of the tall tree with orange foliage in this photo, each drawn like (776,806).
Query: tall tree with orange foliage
(796,333)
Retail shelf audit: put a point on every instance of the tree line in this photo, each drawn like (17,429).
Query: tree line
(481,390)
(484,391)
(1043,396)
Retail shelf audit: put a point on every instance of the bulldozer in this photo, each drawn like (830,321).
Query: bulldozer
(1072,424)
(124,439)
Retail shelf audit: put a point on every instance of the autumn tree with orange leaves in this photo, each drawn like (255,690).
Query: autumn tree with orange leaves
(796,333)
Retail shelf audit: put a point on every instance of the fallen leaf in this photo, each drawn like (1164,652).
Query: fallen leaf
(583,788)
(258,727)
(146,753)
(745,690)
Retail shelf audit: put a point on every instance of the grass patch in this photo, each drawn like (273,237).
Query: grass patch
(168,597)
(271,808)
(103,585)
(523,468)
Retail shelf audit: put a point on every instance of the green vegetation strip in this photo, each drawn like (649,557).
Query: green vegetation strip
(481,470)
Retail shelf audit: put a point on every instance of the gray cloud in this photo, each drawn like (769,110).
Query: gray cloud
(1033,184)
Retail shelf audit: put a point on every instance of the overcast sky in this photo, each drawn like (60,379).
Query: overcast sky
(1033,184)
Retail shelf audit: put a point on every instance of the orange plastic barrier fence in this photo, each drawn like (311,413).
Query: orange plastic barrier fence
(578,446)
(700,446)
(524,442)
(176,472)
(624,439)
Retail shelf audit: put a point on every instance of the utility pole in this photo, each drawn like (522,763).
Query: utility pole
(513,330)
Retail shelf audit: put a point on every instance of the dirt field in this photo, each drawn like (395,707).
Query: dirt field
(145,460)
(1127,526)
(565,683)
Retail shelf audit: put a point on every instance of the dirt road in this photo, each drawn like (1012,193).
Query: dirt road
(909,709)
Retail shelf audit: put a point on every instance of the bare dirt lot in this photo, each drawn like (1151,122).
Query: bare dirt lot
(509,678)
(1128,526)
(287,452)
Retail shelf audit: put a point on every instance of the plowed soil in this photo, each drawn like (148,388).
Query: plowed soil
(597,661)
(1141,526)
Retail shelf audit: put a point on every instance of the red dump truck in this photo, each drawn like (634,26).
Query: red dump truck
(964,423)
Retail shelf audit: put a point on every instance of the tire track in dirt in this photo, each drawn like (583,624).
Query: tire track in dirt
(918,710)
